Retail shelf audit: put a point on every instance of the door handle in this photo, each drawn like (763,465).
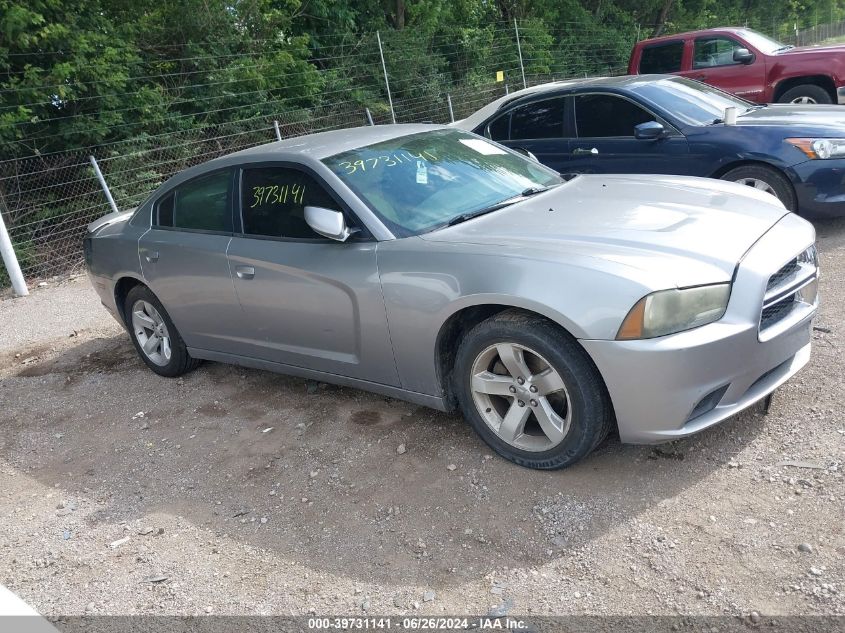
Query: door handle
(579,151)
(245,272)
(151,256)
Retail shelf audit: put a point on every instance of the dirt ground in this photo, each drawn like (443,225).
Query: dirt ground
(234,491)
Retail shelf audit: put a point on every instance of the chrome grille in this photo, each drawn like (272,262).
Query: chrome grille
(790,294)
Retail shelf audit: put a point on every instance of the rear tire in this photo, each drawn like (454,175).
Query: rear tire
(531,392)
(154,336)
(766,179)
(806,94)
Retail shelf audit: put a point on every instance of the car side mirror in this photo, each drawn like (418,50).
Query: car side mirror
(743,56)
(526,153)
(328,223)
(649,131)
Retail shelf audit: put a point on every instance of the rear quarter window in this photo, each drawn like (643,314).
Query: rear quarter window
(662,58)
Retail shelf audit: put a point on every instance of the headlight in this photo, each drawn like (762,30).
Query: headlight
(820,148)
(670,311)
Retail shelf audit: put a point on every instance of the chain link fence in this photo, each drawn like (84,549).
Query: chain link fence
(48,199)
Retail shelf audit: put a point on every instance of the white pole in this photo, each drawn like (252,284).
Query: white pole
(278,131)
(369,116)
(451,111)
(386,82)
(11,261)
(103,183)
(519,49)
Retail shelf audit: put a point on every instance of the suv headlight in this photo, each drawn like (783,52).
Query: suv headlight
(669,311)
(820,148)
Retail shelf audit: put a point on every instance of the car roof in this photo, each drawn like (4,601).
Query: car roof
(621,81)
(306,148)
(324,144)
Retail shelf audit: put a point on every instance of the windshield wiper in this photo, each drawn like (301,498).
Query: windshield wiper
(783,48)
(532,191)
(526,193)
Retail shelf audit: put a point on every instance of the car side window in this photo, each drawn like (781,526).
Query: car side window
(202,204)
(714,51)
(602,115)
(273,201)
(542,119)
(662,58)
(500,129)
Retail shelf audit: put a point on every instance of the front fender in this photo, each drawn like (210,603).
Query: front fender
(425,283)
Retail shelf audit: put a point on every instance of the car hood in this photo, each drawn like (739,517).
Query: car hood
(674,230)
(837,49)
(827,117)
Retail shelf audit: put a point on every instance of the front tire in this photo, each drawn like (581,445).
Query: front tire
(531,392)
(806,94)
(765,179)
(154,336)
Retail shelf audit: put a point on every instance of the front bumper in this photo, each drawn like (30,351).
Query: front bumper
(673,386)
(820,187)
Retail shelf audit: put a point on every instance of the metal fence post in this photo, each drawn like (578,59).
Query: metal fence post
(369,116)
(386,81)
(451,112)
(103,183)
(278,131)
(519,50)
(11,261)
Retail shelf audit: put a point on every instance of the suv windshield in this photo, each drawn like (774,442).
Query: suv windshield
(424,181)
(692,102)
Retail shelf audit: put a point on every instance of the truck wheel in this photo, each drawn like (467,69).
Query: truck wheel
(531,392)
(806,93)
(765,179)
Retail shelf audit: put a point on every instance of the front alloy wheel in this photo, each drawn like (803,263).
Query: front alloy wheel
(531,391)
(521,397)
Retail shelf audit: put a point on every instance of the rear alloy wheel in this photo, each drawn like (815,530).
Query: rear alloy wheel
(764,179)
(530,391)
(155,337)
(806,94)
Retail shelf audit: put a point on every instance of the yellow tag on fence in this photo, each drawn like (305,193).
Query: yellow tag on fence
(500,75)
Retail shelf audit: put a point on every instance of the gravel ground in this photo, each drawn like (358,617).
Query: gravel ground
(234,491)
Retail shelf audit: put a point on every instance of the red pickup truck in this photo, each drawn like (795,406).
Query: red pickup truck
(747,64)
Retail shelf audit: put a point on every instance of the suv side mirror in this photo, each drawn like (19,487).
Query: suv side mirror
(649,131)
(328,223)
(743,56)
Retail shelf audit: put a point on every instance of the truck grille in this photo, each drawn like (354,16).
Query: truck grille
(790,294)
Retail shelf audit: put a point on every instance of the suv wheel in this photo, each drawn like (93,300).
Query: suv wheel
(806,93)
(531,392)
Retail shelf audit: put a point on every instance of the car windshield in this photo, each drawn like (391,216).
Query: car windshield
(424,181)
(692,102)
(763,43)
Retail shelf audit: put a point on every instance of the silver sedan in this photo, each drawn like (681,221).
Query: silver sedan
(429,264)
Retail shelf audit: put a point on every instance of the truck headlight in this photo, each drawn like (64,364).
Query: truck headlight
(820,148)
(669,311)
